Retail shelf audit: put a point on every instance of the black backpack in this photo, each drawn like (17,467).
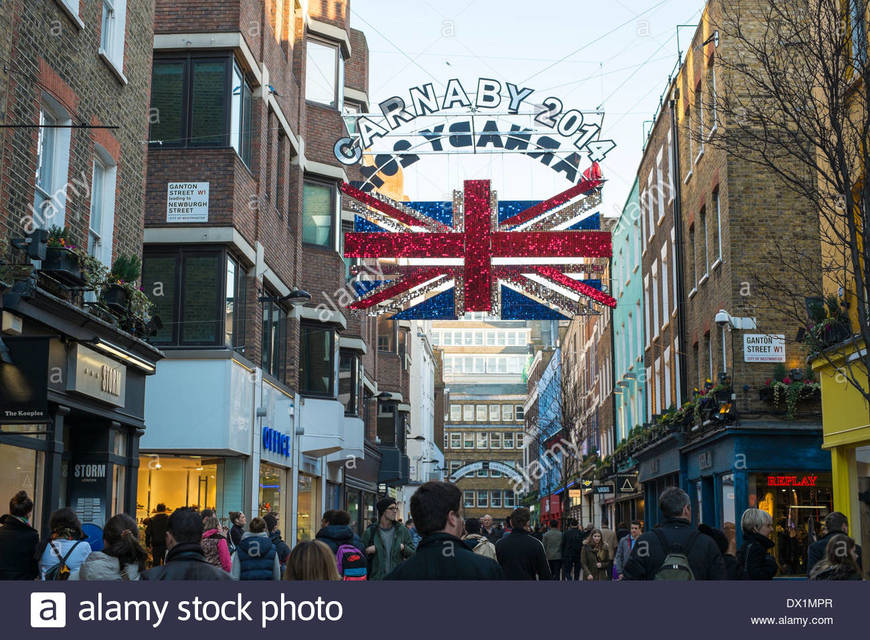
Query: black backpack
(676,563)
(60,571)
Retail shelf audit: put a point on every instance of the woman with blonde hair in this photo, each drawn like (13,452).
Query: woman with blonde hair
(754,561)
(311,560)
(596,557)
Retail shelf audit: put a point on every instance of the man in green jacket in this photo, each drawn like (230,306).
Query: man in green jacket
(388,543)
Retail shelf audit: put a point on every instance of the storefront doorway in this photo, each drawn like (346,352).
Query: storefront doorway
(307,517)
(177,482)
(272,492)
(22,469)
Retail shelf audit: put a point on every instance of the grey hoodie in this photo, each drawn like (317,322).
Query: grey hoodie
(100,566)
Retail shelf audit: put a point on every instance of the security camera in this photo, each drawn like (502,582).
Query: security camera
(722,318)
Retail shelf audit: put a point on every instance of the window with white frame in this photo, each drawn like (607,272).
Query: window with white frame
(708,350)
(643,221)
(455,412)
(665,296)
(500,338)
(478,337)
(112,32)
(468,499)
(495,499)
(102,216)
(467,337)
(651,227)
(667,373)
(646,296)
(519,412)
(454,466)
(482,440)
(490,338)
(482,473)
(448,338)
(481,413)
(494,413)
(508,440)
(714,112)
(700,109)
(495,441)
(658,385)
(436,338)
(670,167)
(717,229)
(507,413)
(52,166)
(509,499)
(706,244)
(324,74)
(655,298)
(511,338)
(688,119)
(660,184)
(649,388)
(455,440)
(468,413)
(468,440)
(482,499)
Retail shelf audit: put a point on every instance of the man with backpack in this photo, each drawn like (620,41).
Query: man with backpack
(676,550)
(387,542)
(349,551)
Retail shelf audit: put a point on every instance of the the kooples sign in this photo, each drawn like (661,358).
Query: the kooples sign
(566,135)
(276,442)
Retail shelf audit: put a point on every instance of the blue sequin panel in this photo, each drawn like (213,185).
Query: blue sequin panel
(509,208)
(440,211)
(592,223)
(438,307)
(594,283)
(362,287)
(361,225)
(516,306)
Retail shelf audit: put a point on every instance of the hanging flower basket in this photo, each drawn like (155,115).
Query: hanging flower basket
(116,297)
(63,265)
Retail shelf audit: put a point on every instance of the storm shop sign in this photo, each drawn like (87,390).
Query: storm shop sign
(566,135)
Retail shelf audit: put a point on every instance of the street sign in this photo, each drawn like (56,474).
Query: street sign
(627,486)
(575,493)
(604,488)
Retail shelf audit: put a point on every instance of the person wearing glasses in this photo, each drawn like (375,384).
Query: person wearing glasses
(387,543)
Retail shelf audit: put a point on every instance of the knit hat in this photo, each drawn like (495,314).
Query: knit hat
(382,505)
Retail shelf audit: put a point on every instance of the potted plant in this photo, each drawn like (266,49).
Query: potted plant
(120,286)
(61,260)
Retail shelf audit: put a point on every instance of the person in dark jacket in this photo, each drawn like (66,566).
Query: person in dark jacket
(442,555)
(387,543)
(155,534)
(18,541)
(754,561)
(840,561)
(281,547)
(835,522)
(721,540)
(255,557)
(335,531)
(521,555)
(237,528)
(184,558)
(489,530)
(648,555)
(572,545)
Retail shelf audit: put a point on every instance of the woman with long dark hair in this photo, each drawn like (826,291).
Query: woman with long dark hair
(122,557)
(840,561)
(65,549)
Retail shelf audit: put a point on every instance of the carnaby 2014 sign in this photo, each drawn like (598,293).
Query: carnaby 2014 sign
(502,118)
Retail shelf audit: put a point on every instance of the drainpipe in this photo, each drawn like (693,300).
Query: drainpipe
(678,240)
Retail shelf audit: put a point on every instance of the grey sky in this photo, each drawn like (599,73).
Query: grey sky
(621,54)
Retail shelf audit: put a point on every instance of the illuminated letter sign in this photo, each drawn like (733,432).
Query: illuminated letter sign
(791,481)
(276,442)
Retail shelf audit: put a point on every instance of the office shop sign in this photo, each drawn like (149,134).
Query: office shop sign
(497,120)
(276,442)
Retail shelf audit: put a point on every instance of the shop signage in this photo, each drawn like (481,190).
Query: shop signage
(705,460)
(503,115)
(575,493)
(276,442)
(97,376)
(791,481)
(24,383)
(626,485)
(603,488)
(760,347)
(187,202)
(89,471)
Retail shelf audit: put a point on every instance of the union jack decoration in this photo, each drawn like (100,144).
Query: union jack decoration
(504,258)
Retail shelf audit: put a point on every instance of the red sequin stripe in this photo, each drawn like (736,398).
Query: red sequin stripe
(576,285)
(549,244)
(380,205)
(403,285)
(542,207)
(403,245)
(478,272)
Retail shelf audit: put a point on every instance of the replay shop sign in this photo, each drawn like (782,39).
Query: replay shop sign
(555,136)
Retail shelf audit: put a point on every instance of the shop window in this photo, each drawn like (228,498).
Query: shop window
(455,413)
(349,382)
(201,101)
(237,290)
(352,502)
(468,440)
(483,499)
(455,440)
(271,490)
(468,499)
(22,469)
(316,360)
(177,482)
(508,440)
(480,413)
(324,74)
(274,343)
(318,214)
(482,440)
(305,508)
(729,510)
(185,286)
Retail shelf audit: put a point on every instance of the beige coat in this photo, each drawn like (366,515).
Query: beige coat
(481,545)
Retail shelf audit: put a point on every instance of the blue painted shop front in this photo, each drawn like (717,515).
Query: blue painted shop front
(780,469)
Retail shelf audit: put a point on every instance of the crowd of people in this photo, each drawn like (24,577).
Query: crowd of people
(437,543)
